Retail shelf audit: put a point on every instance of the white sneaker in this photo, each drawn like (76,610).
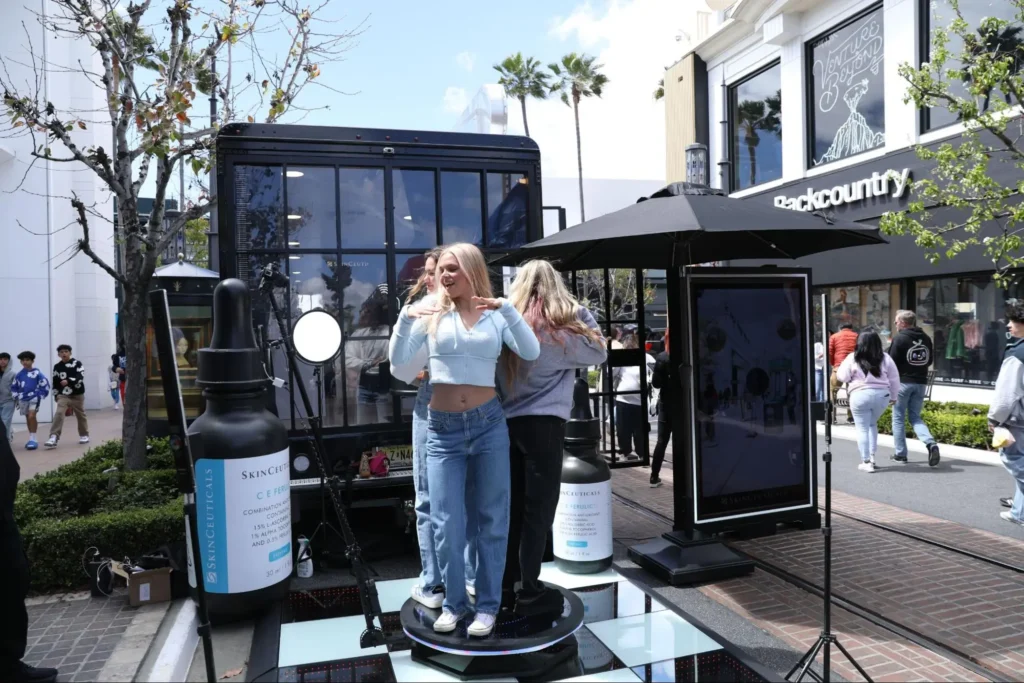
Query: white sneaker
(872,460)
(51,442)
(447,622)
(432,598)
(482,625)
(1008,516)
(83,439)
(866,467)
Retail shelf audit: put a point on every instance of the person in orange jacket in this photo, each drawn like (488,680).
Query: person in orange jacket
(840,345)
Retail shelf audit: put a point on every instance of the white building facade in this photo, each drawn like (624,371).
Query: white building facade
(804,109)
(50,297)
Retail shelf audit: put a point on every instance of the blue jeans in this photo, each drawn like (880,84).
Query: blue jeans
(468,474)
(7,416)
(115,394)
(819,384)
(867,406)
(1013,461)
(910,399)
(430,576)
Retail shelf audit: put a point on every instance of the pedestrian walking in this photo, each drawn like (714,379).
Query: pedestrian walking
(29,388)
(872,384)
(840,345)
(69,390)
(1007,411)
(631,422)
(7,375)
(819,371)
(912,352)
(120,360)
(115,384)
(666,380)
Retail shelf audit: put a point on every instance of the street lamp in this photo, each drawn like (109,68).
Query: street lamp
(697,164)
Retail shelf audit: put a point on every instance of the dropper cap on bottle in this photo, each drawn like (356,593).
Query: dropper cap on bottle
(582,429)
(232,362)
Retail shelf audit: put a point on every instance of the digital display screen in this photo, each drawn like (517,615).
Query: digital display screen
(750,395)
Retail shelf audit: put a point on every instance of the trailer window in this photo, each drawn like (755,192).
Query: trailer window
(361,195)
(258,203)
(415,213)
(462,214)
(312,212)
(507,210)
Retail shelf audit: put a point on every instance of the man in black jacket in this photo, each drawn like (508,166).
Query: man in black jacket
(665,379)
(69,390)
(14,579)
(911,351)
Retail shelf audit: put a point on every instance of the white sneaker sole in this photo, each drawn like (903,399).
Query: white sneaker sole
(49,446)
(444,628)
(479,631)
(433,602)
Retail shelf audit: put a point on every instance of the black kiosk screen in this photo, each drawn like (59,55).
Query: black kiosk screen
(752,451)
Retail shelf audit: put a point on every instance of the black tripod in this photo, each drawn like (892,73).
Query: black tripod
(324,526)
(374,635)
(826,639)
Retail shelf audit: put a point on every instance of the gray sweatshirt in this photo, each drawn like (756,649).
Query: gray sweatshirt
(1006,406)
(544,386)
(6,378)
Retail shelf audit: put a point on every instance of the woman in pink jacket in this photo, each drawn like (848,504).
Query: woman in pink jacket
(873,383)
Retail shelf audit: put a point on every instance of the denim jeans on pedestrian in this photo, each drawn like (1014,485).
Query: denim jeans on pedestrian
(7,416)
(867,406)
(430,576)
(909,401)
(1013,461)
(819,384)
(468,473)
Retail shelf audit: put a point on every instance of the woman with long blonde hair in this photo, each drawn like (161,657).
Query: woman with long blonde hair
(537,400)
(467,439)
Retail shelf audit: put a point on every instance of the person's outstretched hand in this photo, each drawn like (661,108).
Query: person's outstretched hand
(483,303)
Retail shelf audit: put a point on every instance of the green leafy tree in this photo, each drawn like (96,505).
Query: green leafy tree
(659,92)
(974,72)
(754,117)
(197,242)
(575,78)
(522,78)
(152,62)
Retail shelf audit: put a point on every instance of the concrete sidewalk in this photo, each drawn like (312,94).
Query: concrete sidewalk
(104,425)
(849,433)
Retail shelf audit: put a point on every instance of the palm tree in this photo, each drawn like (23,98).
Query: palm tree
(522,78)
(758,115)
(578,77)
(659,92)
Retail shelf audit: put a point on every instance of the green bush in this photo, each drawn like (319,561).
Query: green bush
(65,511)
(950,423)
(55,547)
(593,377)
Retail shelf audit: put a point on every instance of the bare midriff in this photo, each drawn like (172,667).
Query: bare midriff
(457,398)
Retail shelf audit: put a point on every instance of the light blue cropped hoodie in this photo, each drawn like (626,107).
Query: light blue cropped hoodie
(461,356)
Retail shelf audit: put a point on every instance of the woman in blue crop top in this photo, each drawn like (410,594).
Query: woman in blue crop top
(467,439)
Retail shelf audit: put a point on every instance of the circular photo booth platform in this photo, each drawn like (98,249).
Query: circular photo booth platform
(518,646)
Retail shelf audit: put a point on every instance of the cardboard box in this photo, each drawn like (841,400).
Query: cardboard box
(145,586)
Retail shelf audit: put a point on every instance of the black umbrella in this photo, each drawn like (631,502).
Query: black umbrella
(684,224)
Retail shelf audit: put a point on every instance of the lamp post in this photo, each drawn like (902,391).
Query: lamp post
(697,164)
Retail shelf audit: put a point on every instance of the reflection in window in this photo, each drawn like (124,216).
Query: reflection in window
(314,283)
(250,267)
(415,215)
(1007,41)
(865,306)
(366,361)
(409,268)
(360,277)
(755,128)
(361,193)
(508,201)
(191,330)
(311,209)
(461,209)
(258,220)
(847,111)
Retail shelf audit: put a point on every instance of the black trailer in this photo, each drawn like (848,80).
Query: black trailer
(347,214)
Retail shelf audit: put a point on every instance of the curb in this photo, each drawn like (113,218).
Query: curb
(126,659)
(175,656)
(914,446)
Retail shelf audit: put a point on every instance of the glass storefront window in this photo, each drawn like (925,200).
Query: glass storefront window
(964,316)
(258,201)
(869,305)
(1007,41)
(312,212)
(415,213)
(508,202)
(847,89)
(191,329)
(462,213)
(755,128)
(361,194)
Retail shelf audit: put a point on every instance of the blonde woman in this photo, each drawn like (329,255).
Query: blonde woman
(537,400)
(467,440)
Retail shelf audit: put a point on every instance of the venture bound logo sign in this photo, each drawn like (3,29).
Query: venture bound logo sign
(886,184)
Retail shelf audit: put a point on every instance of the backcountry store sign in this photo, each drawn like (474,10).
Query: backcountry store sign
(889,184)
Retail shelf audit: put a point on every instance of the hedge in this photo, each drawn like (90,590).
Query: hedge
(956,424)
(124,514)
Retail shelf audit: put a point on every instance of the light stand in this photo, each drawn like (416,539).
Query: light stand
(826,639)
(373,635)
(178,432)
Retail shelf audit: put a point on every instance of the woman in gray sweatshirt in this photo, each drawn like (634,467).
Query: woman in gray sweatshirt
(537,398)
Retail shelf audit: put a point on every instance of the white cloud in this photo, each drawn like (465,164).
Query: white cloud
(623,132)
(466,60)
(455,99)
